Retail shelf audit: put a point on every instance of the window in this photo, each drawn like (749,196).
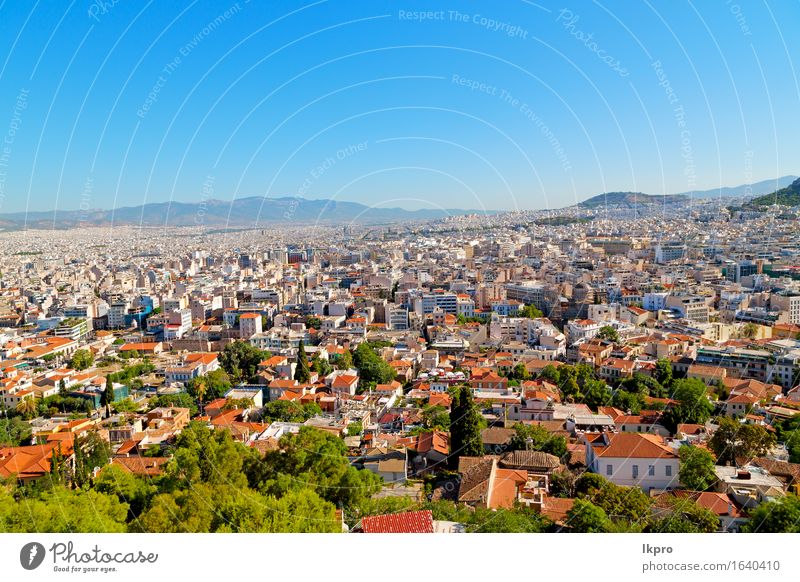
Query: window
(609,469)
(651,471)
(635,471)
(669,470)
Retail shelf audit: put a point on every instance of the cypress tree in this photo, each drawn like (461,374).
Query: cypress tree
(108,396)
(302,373)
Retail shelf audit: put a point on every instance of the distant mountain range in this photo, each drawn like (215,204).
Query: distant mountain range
(251,211)
(258,210)
(631,199)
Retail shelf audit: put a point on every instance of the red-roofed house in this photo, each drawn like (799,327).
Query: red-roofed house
(407,522)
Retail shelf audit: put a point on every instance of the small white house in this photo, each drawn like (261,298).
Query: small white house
(633,460)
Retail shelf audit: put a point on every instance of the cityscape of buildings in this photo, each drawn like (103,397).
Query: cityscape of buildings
(471,372)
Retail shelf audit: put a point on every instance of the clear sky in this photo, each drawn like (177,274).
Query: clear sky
(485,104)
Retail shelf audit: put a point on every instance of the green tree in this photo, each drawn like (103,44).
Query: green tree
(570,391)
(551,374)
(355,429)
(91,451)
(663,372)
(128,488)
(126,405)
(222,508)
(436,418)
(780,516)
(179,399)
(371,367)
(345,361)
(608,333)
(628,401)
(686,516)
(596,393)
(203,455)
(518,520)
(788,432)
(81,359)
(240,360)
(14,432)
(696,468)
(693,404)
(213,385)
(107,397)
(290,411)
(26,408)
(533,437)
(586,517)
(629,505)
(733,440)
(312,459)
(321,366)
(749,330)
(61,510)
(465,426)
(302,372)
(531,312)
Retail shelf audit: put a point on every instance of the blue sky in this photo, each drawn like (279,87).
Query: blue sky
(495,105)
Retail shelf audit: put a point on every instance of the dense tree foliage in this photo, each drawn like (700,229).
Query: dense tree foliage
(788,432)
(81,359)
(516,520)
(536,438)
(14,432)
(371,367)
(179,399)
(315,460)
(781,516)
(209,387)
(685,516)
(531,312)
(733,440)
(693,404)
(663,372)
(586,517)
(696,468)
(289,411)
(128,373)
(61,510)
(240,360)
(436,418)
(608,333)
(91,451)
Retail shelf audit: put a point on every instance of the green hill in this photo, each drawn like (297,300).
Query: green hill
(630,199)
(789,196)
